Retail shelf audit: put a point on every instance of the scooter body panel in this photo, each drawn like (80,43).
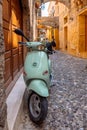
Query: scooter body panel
(37,67)
(39,87)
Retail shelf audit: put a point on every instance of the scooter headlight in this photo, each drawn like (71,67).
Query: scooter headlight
(41,47)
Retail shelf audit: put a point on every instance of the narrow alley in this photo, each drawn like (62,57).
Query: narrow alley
(67,104)
(44,21)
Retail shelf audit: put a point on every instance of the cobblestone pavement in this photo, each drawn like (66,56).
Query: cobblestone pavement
(67,104)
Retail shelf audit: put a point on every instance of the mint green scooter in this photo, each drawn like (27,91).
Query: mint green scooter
(37,77)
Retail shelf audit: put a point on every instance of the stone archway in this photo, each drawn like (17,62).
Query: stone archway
(65,2)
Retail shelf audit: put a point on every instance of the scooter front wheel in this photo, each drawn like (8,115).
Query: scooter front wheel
(38,107)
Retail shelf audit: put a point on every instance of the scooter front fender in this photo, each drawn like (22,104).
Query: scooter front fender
(39,87)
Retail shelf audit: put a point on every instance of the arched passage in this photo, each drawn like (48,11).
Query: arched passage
(65,2)
(53,20)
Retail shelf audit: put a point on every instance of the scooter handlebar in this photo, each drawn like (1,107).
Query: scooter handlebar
(50,52)
(22,43)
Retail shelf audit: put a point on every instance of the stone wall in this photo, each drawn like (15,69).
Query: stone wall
(3,108)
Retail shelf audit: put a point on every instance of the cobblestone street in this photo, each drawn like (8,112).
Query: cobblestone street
(67,103)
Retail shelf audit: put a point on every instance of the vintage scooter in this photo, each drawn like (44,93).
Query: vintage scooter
(37,77)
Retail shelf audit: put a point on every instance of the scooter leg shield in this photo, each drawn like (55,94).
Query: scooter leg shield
(39,87)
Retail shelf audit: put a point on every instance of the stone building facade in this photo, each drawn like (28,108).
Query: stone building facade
(28,26)
(73,27)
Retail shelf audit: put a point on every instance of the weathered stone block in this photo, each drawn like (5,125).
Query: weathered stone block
(3,113)
(2,95)
(2,49)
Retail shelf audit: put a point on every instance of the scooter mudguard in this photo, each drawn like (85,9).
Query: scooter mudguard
(39,87)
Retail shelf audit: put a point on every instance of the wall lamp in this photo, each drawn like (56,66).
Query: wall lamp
(42,1)
(71,19)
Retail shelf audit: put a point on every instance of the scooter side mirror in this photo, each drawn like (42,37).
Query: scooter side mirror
(19,32)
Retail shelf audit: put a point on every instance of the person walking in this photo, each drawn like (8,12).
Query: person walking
(49,45)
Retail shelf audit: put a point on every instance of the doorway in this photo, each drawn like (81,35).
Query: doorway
(65,38)
(83,33)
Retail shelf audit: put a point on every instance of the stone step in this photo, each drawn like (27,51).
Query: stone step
(14,103)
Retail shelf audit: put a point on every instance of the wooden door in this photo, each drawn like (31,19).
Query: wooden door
(65,38)
(12,17)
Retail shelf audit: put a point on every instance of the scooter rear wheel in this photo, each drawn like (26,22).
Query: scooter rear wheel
(38,107)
